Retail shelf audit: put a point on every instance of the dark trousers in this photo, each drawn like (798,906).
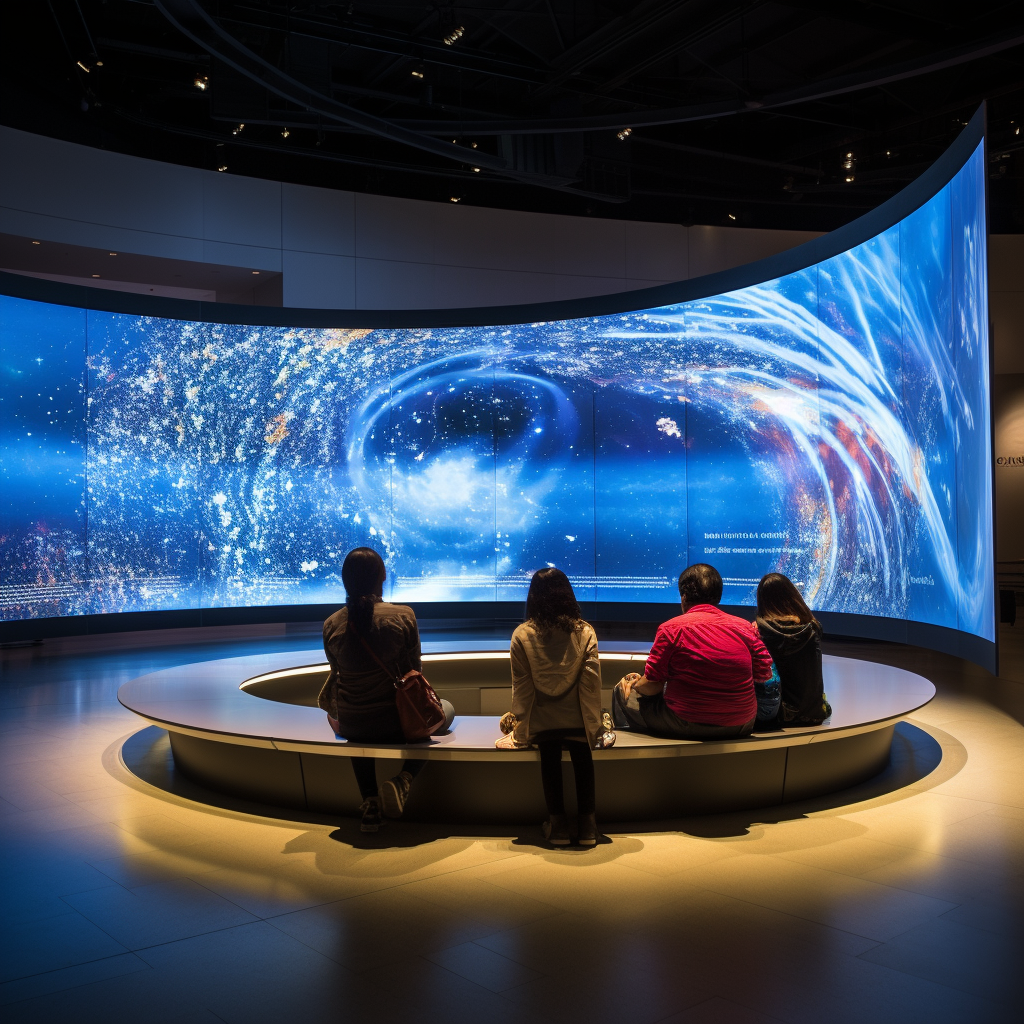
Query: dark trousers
(382,726)
(653,716)
(551,744)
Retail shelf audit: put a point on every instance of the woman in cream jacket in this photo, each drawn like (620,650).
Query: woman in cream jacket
(556,698)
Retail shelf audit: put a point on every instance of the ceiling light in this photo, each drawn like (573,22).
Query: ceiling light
(624,134)
(37,243)
(1017,132)
(255,271)
(472,145)
(454,199)
(111,253)
(201,82)
(82,66)
(732,216)
(223,167)
(417,74)
(99,63)
(95,275)
(285,134)
(848,178)
(454,36)
(475,169)
(235,131)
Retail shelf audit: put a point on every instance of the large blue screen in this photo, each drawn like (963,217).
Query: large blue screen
(832,424)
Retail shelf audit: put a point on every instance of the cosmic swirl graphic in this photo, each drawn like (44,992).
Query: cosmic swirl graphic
(832,424)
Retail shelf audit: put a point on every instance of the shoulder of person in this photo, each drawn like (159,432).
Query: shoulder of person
(394,611)
(334,622)
(587,633)
(524,631)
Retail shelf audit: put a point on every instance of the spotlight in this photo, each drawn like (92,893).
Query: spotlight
(454,199)
(285,134)
(255,271)
(37,243)
(476,170)
(99,63)
(472,145)
(201,82)
(454,36)
(95,275)
(624,134)
(848,162)
(417,74)
(111,253)
(848,178)
(223,167)
(732,216)
(1017,132)
(237,131)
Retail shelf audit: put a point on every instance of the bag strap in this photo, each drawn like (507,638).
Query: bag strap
(373,654)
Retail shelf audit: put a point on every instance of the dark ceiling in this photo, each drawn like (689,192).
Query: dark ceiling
(798,115)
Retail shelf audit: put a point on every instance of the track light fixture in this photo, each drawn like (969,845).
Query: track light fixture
(201,82)
(285,133)
(732,216)
(454,36)
(237,130)
(416,74)
(624,134)
(223,167)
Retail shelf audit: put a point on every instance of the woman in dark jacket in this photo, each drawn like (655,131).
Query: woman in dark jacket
(359,695)
(792,635)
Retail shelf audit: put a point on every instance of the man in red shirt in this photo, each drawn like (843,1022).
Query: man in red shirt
(698,682)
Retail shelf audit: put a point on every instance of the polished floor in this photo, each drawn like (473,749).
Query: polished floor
(126,898)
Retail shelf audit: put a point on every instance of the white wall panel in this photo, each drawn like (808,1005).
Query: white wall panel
(404,253)
(319,280)
(318,220)
(717,248)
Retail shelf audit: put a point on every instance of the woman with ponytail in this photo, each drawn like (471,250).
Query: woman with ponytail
(359,695)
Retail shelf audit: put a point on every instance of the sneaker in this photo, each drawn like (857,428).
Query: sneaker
(393,794)
(556,830)
(586,830)
(371,815)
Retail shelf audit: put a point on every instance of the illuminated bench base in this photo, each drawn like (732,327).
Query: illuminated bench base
(249,727)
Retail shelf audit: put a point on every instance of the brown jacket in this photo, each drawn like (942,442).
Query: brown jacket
(556,681)
(357,684)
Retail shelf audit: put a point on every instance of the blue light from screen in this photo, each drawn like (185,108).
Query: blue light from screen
(832,425)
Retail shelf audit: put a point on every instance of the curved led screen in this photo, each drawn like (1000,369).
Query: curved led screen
(832,424)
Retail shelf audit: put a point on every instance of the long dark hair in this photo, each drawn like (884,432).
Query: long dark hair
(363,574)
(551,601)
(778,598)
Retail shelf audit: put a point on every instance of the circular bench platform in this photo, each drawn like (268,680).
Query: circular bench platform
(250,727)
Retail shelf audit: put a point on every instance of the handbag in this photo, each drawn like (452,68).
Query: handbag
(419,707)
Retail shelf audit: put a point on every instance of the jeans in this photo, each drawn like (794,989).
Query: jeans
(651,715)
(364,767)
(550,744)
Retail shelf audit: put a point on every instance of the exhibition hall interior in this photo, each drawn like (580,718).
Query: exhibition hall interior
(512,512)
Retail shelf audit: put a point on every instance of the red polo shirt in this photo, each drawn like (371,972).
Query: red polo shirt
(708,662)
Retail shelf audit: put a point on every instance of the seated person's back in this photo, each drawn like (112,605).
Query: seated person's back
(698,681)
(704,659)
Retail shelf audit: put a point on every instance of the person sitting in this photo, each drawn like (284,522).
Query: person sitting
(792,635)
(359,695)
(698,682)
(556,699)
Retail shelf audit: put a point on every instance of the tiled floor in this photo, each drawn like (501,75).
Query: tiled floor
(124,901)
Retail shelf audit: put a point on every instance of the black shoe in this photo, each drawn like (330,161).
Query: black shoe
(393,794)
(586,831)
(556,830)
(372,819)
